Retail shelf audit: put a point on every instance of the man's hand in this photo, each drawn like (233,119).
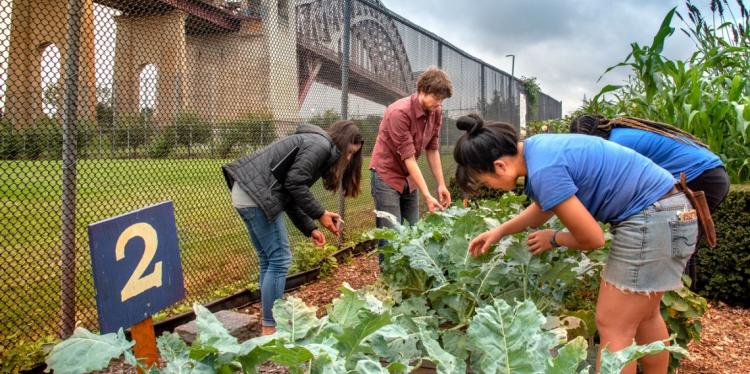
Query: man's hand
(444,195)
(432,204)
(329,221)
(540,241)
(482,243)
(318,238)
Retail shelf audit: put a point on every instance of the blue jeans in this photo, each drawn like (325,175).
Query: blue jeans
(271,243)
(402,204)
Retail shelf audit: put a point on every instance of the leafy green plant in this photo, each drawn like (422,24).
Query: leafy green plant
(17,355)
(682,311)
(483,193)
(337,343)
(307,256)
(550,126)
(505,339)
(612,363)
(359,334)
(452,283)
(448,286)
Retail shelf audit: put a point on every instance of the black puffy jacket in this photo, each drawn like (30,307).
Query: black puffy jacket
(317,153)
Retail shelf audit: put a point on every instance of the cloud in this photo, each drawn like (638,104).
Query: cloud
(567,45)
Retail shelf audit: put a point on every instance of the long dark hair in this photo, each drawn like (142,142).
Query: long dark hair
(591,124)
(477,149)
(349,172)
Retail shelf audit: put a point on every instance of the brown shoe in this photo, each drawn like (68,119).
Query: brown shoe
(267,330)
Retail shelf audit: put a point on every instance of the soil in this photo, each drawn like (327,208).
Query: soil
(725,342)
(723,348)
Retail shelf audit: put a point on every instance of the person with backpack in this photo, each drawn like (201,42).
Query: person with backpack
(669,147)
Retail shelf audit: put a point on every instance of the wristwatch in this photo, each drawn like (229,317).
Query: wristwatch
(553,241)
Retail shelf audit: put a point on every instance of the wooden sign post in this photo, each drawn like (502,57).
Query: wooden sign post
(145,342)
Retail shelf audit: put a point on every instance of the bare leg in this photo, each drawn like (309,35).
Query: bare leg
(619,315)
(650,330)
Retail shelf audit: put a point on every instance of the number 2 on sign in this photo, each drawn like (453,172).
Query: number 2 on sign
(139,282)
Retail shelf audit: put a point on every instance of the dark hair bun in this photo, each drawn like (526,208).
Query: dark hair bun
(471,123)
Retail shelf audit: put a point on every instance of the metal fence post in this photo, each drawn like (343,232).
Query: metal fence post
(344,98)
(482,89)
(440,55)
(70,120)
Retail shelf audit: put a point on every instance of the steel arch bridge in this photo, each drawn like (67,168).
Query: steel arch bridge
(379,68)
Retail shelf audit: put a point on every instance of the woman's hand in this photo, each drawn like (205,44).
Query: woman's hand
(318,238)
(540,241)
(482,243)
(329,220)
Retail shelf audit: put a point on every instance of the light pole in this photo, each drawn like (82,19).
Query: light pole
(513,64)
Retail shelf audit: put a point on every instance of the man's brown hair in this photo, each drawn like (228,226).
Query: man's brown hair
(435,81)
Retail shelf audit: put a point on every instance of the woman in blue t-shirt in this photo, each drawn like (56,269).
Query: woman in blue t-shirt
(667,146)
(670,148)
(582,180)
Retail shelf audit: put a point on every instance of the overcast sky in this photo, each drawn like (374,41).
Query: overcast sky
(566,44)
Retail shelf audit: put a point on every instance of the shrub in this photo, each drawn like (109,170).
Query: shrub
(724,271)
(130,131)
(368,127)
(42,138)
(253,129)
(161,145)
(324,119)
(10,143)
(189,128)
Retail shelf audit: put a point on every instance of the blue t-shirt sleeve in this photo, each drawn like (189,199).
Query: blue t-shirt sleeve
(551,186)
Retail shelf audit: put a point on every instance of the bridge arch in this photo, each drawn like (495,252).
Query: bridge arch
(379,65)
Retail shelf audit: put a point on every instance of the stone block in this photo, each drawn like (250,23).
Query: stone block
(240,325)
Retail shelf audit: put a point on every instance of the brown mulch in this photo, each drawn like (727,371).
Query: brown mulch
(358,272)
(724,345)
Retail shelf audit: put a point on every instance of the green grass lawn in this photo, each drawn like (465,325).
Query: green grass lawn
(215,248)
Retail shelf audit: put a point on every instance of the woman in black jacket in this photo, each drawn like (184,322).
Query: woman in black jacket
(278,178)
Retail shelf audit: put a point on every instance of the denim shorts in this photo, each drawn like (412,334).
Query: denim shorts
(651,248)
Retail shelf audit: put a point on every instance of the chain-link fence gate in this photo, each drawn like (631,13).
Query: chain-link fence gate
(111,105)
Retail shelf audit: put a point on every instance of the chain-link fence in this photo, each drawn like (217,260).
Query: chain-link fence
(112,105)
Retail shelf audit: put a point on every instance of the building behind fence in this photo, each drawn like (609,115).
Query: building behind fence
(112,105)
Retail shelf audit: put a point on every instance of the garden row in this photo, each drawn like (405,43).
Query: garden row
(507,311)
